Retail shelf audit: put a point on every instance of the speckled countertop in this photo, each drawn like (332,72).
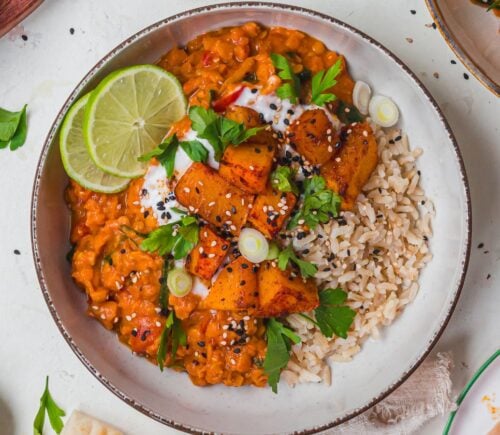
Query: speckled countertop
(45,57)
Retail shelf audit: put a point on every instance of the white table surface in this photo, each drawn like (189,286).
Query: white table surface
(43,70)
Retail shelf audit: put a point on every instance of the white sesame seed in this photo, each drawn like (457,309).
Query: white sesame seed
(103,317)
(200,249)
(223,343)
(330,149)
(128,318)
(200,182)
(224,335)
(264,209)
(214,243)
(95,307)
(252,168)
(233,227)
(365,133)
(329,131)
(225,327)
(301,222)
(337,159)
(187,189)
(228,195)
(211,204)
(233,361)
(246,318)
(211,255)
(228,213)
(158,309)
(115,320)
(349,131)
(158,324)
(347,110)
(134,315)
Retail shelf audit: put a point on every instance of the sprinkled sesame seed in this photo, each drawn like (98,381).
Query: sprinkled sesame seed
(128,318)
(252,168)
(214,243)
(211,255)
(158,324)
(211,204)
(103,317)
(228,195)
(223,343)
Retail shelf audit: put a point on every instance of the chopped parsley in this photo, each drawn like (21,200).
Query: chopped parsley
(319,204)
(494,5)
(177,238)
(322,81)
(279,342)
(165,153)
(13,128)
(55,413)
(172,333)
(307,270)
(332,315)
(283,179)
(289,90)
(218,130)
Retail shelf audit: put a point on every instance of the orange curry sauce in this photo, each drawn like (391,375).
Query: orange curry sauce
(121,281)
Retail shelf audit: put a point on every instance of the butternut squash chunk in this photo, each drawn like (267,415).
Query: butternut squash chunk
(207,256)
(314,136)
(220,203)
(281,294)
(250,118)
(270,211)
(234,289)
(248,166)
(357,158)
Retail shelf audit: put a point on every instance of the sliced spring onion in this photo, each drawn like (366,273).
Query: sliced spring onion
(383,111)
(273,252)
(253,245)
(179,282)
(361,96)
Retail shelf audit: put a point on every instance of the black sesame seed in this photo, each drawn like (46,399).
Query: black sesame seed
(24,37)
(257,150)
(290,112)
(146,214)
(233,209)
(134,332)
(243,282)
(397,139)
(256,294)
(261,117)
(305,251)
(201,343)
(240,332)
(466,76)
(218,218)
(280,135)
(224,247)
(426,238)
(17,252)
(434,25)
(413,11)
(488,276)
(71,31)
(480,246)
(169,215)
(254,90)
(145,334)
(255,269)
(286,121)
(122,251)
(237,350)
(273,106)
(144,192)
(229,269)
(453,62)
(376,251)
(244,266)
(197,190)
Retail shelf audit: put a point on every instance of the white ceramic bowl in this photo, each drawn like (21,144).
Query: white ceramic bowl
(382,365)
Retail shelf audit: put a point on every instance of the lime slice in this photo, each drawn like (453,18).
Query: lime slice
(76,159)
(129,114)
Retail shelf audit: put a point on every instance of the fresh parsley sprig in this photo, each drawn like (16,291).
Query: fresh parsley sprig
(291,89)
(177,238)
(279,342)
(319,204)
(283,179)
(13,128)
(307,270)
(166,152)
(322,81)
(172,333)
(218,130)
(332,315)
(494,5)
(49,406)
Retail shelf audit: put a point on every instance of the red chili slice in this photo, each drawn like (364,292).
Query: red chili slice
(222,103)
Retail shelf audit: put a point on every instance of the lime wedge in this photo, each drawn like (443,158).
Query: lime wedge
(76,159)
(129,114)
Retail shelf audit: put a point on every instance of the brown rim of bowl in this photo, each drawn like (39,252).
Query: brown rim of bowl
(55,126)
(457,48)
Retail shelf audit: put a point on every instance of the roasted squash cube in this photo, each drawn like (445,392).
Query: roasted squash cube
(207,255)
(270,211)
(234,289)
(248,166)
(356,160)
(220,203)
(314,136)
(281,294)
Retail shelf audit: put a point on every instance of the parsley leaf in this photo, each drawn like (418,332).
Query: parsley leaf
(283,179)
(322,81)
(219,131)
(164,153)
(318,205)
(195,150)
(332,315)
(177,238)
(167,265)
(279,342)
(173,333)
(13,128)
(494,5)
(53,411)
(291,89)
(307,270)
